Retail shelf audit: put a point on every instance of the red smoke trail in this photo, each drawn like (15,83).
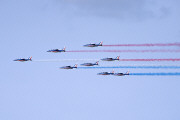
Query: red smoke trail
(146,45)
(170,59)
(124,51)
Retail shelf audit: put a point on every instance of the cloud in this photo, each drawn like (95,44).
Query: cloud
(121,9)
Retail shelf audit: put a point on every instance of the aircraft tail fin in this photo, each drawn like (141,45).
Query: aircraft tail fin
(101,43)
(97,63)
(127,72)
(75,66)
(30,58)
(64,48)
(112,72)
(117,57)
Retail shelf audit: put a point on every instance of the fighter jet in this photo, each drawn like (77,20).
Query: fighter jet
(69,67)
(90,64)
(110,59)
(57,50)
(93,45)
(23,59)
(106,73)
(121,74)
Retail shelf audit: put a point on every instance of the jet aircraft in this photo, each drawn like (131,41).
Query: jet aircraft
(93,45)
(69,67)
(57,50)
(90,64)
(106,73)
(23,59)
(110,59)
(121,74)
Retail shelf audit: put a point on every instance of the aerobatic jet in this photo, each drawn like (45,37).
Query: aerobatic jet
(110,59)
(121,74)
(90,64)
(23,59)
(106,73)
(57,50)
(69,67)
(93,45)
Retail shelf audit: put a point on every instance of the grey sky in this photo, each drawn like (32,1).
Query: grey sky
(121,9)
(42,91)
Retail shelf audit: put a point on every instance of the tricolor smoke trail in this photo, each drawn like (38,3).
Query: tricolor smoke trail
(120,51)
(143,45)
(155,74)
(134,67)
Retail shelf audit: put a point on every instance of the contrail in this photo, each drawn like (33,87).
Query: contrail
(124,51)
(156,74)
(135,67)
(169,59)
(64,60)
(145,45)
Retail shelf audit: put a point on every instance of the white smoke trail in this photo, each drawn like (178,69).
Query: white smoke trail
(64,60)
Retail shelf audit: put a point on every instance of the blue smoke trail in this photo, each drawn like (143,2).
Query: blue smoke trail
(141,67)
(155,74)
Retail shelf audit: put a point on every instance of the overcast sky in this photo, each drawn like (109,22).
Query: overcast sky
(40,90)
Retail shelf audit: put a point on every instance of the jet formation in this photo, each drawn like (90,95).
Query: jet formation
(84,64)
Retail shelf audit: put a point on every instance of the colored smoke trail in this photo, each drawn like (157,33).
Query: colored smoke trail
(145,45)
(156,74)
(135,67)
(170,59)
(124,51)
